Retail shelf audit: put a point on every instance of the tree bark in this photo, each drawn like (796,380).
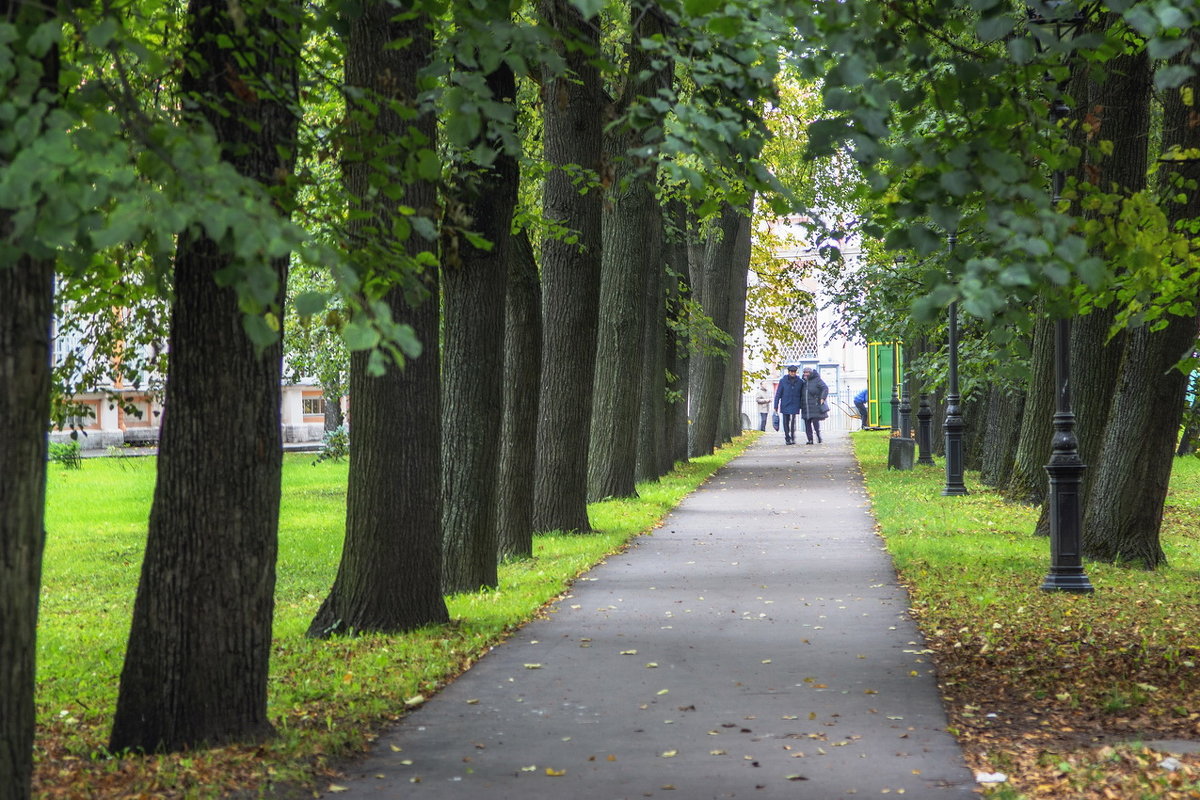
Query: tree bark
(195,669)
(632,232)
(711,364)
(27,287)
(570,273)
(653,426)
(473,346)
(1124,508)
(389,577)
(1027,483)
(739,266)
(1003,428)
(518,430)
(678,356)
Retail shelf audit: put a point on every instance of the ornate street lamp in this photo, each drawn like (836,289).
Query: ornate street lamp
(954,423)
(924,432)
(895,404)
(1065,469)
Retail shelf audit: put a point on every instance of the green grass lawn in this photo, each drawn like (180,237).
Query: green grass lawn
(1042,686)
(327,698)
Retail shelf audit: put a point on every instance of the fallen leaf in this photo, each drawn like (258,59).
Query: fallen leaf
(555,773)
(670,753)
(533,666)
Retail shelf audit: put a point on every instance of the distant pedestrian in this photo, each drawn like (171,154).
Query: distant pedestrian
(860,402)
(789,394)
(763,398)
(813,405)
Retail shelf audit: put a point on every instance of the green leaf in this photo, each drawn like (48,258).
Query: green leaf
(588,8)
(361,337)
(698,8)
(309,303)
(100,34)
(259,330)
(993,29)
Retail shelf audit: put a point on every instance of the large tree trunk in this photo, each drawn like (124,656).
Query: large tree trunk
(712,363)
(474,345)
(632,237)
(389,577)
(570,273)
(678,357)
(195,669)
(28,289)
(1124,508)
(653,431)
(518,430)
(1027,483)
(27,286)
(739,266)
(1002,429)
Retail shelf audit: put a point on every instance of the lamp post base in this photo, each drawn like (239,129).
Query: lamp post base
(1076,582)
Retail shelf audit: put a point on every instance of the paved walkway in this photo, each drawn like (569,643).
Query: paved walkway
(756,645)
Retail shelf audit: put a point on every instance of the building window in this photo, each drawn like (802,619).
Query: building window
(314,406)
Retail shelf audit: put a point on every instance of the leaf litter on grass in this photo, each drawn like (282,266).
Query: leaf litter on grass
(1067,696)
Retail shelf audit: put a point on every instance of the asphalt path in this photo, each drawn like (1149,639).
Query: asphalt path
(756,645)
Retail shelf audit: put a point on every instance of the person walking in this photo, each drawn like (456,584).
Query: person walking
(789,394)
(763,398)
(813,405)
(860,402)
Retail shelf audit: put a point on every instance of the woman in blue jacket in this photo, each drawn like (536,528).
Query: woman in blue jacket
(789,394)
(812,403)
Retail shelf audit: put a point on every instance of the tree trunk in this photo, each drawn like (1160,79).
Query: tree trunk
(711,364)
(739,266)
(27,286)
(632,244)
(1027,483)
(195,669)
(28,289)
(678,357)
(1003,428)
(473,347)
(570,274)
(389,577)
(654,425)
(518,430)
(974,408)
(1125,505)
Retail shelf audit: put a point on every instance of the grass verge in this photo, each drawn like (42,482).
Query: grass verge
(1069,696)
(328,699)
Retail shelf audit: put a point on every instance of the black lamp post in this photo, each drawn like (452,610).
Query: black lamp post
(954,424)
(905,409)
(895,404)
(924,432)
(1065,469)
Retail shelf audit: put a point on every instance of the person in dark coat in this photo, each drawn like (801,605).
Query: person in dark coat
(788,396)
(813,406)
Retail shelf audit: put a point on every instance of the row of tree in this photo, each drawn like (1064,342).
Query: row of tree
(988,105)
(511,216)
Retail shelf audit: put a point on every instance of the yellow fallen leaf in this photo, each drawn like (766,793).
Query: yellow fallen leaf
(395,749)
(651,664)
(474,701)
(555,773)
(662,691)
(333,787)
(407,762)
(629,652)
(414,701)
(611,757)
(530,768)
(533,666)
(718,753)
(670,753)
